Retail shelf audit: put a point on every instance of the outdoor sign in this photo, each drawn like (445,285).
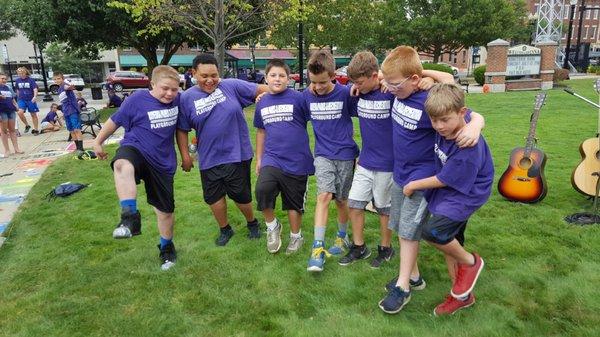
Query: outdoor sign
(523,60)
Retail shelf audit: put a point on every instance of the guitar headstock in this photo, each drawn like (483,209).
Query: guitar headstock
(539,100)
(597,85)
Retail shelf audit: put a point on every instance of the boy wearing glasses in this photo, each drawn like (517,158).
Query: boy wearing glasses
(373,175)
(413,148)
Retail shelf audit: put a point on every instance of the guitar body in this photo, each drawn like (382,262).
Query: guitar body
(583,179)
(524,180)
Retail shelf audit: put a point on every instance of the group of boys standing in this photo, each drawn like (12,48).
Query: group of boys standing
(422,153)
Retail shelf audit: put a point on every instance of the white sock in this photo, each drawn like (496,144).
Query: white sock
(296,235)
(464,298)
(272,225)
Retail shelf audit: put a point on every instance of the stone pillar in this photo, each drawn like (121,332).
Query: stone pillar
(548,50)
(495,72)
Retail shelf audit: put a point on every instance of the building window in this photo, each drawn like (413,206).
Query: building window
(596,10)
(593,35)
(585,35)
(588,14)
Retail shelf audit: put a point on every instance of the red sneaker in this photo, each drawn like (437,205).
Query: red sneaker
(452,305)
(466,277)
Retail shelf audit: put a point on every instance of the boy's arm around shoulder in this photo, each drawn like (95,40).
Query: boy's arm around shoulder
(469,135)
(422,184)
(260,147)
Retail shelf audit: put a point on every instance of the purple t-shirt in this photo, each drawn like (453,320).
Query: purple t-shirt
(25,87)
(330,116)
(413,138)
(283,117)
(373,111)
(50,117)
(467,172)
(68,100)
(6,103)
(150,127)
(219,121)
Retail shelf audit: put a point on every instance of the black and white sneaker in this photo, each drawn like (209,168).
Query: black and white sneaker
(355,253)
(383,254)
(27,128)
(253,229)
(224,236)
(414,285)
(168,256)
(130,225)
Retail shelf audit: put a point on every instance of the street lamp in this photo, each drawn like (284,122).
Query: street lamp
(568,48)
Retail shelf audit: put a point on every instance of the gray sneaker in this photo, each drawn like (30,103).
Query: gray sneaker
(274,239)
(294,245)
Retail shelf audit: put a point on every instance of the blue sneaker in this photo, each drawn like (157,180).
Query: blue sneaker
(317,257)
(394,301)
(340,245)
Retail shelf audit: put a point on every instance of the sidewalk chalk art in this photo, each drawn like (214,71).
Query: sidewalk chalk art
(46,154)
(32,172)
(11,198)
(3,226)
(36,163)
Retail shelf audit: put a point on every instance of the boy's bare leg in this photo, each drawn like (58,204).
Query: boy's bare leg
(268,214)
(295,219)
(384,231)
(456,251)
(21,114)
(452,267)
(219,211)
(4,135)
(246,210)
(12,134)
(409,250)
(342,210)
(322,209)
(357,218)
(124,175)
(165,222)
(34,120)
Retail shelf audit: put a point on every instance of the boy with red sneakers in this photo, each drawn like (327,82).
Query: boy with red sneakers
(461,185)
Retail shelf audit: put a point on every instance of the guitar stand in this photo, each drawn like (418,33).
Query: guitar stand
(587,218)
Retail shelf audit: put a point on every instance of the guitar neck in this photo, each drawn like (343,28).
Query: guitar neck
(530,143)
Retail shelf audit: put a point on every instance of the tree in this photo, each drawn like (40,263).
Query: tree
(223,22)
(6,29)
(436,27)
(59,59)
(93,25)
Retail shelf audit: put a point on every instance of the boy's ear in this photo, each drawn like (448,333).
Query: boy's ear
(463,111)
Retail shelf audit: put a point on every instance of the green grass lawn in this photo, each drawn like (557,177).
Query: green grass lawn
(62,274)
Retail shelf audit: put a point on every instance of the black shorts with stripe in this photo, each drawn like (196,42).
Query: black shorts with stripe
(272,181)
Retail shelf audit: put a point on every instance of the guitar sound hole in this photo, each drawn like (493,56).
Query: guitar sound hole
(598,155)
(525,163)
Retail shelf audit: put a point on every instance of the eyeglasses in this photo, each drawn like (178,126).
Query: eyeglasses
(395,86)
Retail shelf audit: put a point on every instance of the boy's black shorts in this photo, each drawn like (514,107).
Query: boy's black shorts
(231,179)
(271,181)
(442,230)
(159,186)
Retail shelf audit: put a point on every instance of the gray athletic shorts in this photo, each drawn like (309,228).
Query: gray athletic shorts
(334,176)
(369,186)
(408,215)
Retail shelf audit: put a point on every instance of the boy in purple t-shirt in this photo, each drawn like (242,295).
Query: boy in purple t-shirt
(51,122)
(462,184)
(70,108)
(27,91)
(335,152)
(283,157)
(214,108)
(413,142)
(147,153)
(8,106)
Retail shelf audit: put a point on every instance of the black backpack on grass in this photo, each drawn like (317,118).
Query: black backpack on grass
(65,190)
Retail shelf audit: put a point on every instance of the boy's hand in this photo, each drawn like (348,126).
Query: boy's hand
(260,96)
(426,83)
(382,87)
(34,99)
(99,150)
(187,163)
(468,136)
(354,91)
(408,190)
(257,167)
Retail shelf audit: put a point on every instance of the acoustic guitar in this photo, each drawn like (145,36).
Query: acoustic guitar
(585,175)
(524,179)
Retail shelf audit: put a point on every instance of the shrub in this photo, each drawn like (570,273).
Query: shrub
(181,70)
(133,69)
(438,67)
(592,69)
(479,74)
(145,70)
(560,75)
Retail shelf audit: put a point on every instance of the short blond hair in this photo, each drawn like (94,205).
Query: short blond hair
(164,71)
(444,99)
(363,64)
(23,69)
(404,60)
(321,62)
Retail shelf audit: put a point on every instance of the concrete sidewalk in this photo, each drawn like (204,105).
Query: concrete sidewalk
(18,173)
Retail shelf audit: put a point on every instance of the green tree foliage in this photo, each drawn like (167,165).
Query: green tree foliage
(479,74)
(6,28)
(59,58)
(436,27)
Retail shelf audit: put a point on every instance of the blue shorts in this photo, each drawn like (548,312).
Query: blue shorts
(28,105)
(73,122)
(7,115)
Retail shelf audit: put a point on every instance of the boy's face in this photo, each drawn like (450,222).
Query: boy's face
(449,124)
(207,76)
(366,84)
(322,82)
(401,86)
(58,80)
(21,74)
(277,80)
(165,90)
(3,79)
(54,108)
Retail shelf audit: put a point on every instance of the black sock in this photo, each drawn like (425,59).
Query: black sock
(79,145)
(252,223)
(225,229)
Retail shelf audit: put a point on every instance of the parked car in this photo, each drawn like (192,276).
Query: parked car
(39,80)
(247,75)
(454,69)
(74,79)
(120,80)
(182,80)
